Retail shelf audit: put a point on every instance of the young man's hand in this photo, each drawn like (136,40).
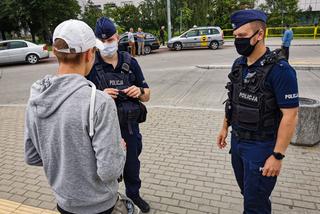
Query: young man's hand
(112,92)
(132,91)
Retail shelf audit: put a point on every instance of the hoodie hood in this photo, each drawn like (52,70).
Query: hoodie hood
(47,94)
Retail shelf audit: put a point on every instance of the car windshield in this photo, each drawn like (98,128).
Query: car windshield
(124,37)
(149,36)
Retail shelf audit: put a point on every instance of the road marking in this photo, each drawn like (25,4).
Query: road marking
(149,106)
(185,108)
(13,105)
(170,69)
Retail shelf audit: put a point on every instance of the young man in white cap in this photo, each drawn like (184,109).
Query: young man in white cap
(72,130)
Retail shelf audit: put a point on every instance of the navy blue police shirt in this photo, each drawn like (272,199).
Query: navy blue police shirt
(282,79)
(134,67)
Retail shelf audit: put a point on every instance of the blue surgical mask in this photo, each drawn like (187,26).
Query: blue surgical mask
(109,49)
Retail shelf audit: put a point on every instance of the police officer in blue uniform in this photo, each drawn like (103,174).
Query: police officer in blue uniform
(262,108)
(120,75)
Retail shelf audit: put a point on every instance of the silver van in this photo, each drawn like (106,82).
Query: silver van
(197,37)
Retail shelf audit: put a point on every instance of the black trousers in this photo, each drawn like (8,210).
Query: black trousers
(162,40)
(131,174)
(62,211)
(286,52)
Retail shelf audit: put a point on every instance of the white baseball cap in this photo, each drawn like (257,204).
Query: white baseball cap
(77,34)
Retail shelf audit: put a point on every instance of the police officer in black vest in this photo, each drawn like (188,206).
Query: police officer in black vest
(120,75)
(262,109)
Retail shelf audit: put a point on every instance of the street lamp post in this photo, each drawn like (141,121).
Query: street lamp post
(169,19)
(180,21)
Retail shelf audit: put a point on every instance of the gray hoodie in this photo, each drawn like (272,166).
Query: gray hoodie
(82,171)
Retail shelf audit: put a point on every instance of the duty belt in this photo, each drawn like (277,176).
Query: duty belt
(249,135)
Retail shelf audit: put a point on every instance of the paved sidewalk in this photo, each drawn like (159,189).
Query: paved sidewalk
(8,207)
(182,170)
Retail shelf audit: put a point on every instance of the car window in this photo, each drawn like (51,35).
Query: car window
(17,44)
(124,39)
(203,32)
(192,33)
(3,46)
(214,31)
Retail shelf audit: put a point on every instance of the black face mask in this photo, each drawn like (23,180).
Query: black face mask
(243,45)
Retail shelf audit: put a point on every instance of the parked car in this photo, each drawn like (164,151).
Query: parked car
(198,37)
(12,51)
(151,43)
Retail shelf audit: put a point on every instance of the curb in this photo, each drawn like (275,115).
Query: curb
(297,67)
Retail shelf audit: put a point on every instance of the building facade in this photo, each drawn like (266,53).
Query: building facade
(113,3)
(304,5)
(309,5)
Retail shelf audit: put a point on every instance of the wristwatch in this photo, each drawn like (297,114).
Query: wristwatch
(278,155)
(142,91)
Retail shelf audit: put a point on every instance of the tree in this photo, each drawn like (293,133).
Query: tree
(185,17)
(154,13)
(91,14)
(9,17)
(41,17)
(281,11)
(224,8)
(126,16)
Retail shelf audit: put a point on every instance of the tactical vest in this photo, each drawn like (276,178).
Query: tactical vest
(130,110)
(251,107)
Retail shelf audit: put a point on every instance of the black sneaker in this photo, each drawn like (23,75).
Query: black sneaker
(142,204)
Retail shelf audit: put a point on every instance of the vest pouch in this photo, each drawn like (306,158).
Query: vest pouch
(128,112)
(143,113)
(228,111)
(248,118)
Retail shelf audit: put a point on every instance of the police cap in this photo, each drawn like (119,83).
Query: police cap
(243,17)
(105,28)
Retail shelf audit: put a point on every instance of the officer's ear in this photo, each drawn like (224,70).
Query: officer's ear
(261,34)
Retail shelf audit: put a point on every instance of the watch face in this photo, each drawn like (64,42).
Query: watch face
(278,156)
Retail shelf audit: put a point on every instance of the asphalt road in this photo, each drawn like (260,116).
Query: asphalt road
(172,76)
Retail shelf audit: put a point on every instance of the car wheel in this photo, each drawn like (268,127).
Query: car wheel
(32,59)
(214,45)
(147,49)
(177,46)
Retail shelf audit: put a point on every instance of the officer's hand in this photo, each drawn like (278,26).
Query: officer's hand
(132,91)
(272,167)
(221,139)
(112,92)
